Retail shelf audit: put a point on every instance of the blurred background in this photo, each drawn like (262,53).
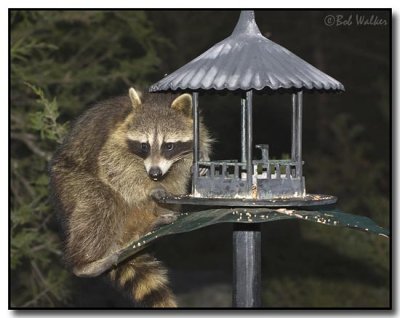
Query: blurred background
(61,62)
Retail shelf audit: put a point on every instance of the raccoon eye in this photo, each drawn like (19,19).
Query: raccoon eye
(169,146)
(144,147)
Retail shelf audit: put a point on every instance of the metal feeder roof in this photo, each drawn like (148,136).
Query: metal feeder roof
(247,60)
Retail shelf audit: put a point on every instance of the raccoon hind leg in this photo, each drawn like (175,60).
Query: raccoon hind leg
(91,213)
(164,217)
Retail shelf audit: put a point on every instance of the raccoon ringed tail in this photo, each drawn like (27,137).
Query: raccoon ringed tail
(145,280)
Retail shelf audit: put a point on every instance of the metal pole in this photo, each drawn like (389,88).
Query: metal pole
(196,143)
(243,130)
(246,265)
(249,138)
(247,237)
(297,117)
(294,129)
(299,127)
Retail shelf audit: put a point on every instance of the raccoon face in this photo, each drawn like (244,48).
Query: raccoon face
(158,155)
(161,134)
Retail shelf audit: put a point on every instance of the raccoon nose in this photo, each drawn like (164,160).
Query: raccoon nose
(155,173)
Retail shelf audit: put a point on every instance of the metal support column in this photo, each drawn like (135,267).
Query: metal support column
(297,118)
(243,130)
(249,138)
(247,237)
(196,142)
(299,126)
(294,128)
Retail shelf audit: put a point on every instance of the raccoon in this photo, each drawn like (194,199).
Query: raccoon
(101,178)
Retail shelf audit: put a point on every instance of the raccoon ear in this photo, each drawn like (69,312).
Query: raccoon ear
(183,103)
(135,98)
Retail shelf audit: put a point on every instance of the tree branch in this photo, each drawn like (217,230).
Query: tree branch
(28,140)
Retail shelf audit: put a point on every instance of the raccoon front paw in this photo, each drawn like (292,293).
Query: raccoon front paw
(158,192)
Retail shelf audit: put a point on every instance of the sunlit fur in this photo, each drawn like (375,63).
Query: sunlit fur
(101,189)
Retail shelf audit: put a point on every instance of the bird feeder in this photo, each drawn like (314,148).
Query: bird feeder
(247,61)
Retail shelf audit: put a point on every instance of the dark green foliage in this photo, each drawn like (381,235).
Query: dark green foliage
(352,175)
(37,276)
(82,56)
(72,56)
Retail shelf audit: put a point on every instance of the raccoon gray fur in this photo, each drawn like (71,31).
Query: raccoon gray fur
(101,176)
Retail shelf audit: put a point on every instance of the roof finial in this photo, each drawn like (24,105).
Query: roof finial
(246,24)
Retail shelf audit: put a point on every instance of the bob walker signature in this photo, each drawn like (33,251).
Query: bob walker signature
(356,19)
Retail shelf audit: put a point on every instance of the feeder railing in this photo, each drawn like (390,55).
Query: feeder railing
(232,169)
(276,169)
(228,169)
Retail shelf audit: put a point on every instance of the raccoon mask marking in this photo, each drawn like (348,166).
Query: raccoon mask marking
(159,143)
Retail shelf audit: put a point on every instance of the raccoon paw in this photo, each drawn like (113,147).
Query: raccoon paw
(166,218)
(96,268)
(158,192)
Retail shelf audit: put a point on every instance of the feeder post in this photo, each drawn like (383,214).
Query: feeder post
(247,237)
(246,265)
(297,118)
(196,136)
